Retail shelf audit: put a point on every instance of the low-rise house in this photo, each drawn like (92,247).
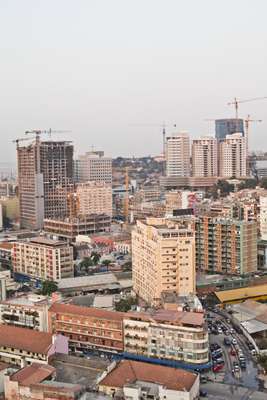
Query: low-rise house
(21,346)
(28,311)
(37,382)
(167,334)
(87,328)
(135,380)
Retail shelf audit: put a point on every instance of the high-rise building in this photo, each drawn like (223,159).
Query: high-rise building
(178,155)
(228,126)
(163,258)
(94,198)
(263,217)
(226,246)
(45,177)
(205,157)
(94,166)
(43,259)
(233,156)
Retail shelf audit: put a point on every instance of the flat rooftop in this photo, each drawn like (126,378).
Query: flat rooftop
(91,280)
(47,242)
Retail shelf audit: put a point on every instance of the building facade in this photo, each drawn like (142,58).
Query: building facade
(133,380)
(226,246)
(263,217)
(163,258)
(45,177)
(94,166)
(178,155)
(30,312)
(171,335)
(87,328)
(94,198)
(43,259)
(205,157)
(233,156)
(70,228)
(21,346)
(228,126)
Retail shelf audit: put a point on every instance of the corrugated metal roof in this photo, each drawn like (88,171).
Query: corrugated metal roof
(241,293)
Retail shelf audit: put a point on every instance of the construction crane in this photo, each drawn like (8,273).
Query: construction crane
(39,132)
(17,141)
(236,103)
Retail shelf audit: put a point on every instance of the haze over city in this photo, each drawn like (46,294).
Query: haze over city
(97,68)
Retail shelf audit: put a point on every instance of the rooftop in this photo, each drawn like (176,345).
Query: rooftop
(32,374)
(82,281)
(46,242)
(28,300)
(170,316)
(6,246)
(25,339)
(86,311)
(241,293)
(127,372)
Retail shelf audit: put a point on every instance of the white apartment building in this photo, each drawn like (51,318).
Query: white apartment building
(263,217)
(163,258)
(173,335)
(94,198)
(94,166)
(178,155)
(30,311)
(43,259)
(205,157)
(233,156)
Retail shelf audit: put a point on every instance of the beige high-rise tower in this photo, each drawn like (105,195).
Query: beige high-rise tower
(205,157)
(163,258)
(233,156)
(178,155)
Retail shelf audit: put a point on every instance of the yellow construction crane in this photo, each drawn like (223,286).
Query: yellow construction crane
(236,103)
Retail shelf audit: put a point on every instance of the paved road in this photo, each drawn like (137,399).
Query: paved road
(246,378)
(221,391)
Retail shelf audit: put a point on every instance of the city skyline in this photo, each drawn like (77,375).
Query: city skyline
(96,69)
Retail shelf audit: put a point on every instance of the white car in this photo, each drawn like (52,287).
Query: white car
(234,342)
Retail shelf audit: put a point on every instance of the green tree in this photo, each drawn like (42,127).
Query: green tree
(248,184)
(48,287)
(106,262)
(95,257)
(263,183)
(125,305)
(86,263)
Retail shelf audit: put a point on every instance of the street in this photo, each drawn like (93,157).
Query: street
(221,391)
(231,381)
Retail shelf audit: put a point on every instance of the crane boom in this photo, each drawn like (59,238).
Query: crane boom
(236,103)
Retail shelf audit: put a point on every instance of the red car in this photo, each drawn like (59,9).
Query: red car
(217,368)
(233,352)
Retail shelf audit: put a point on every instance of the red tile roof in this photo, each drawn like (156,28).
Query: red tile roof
(25,339)
(71,309)
(127,372)
(6,245)
(32,374)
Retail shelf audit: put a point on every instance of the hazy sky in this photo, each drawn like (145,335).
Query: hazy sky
(96,67)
